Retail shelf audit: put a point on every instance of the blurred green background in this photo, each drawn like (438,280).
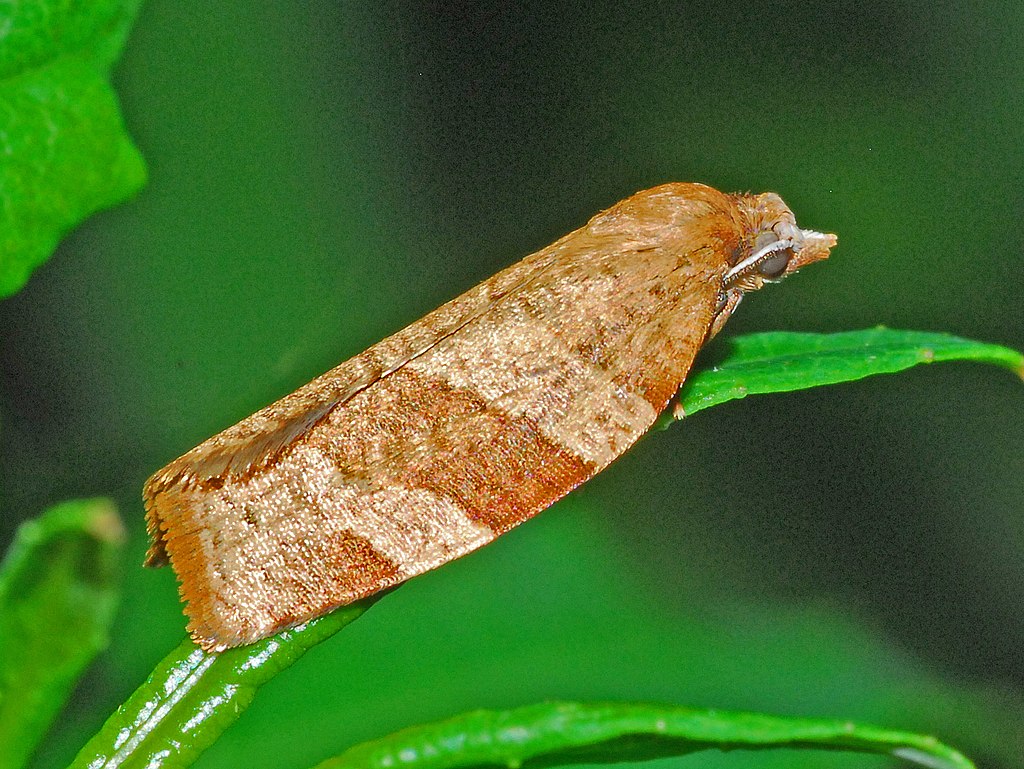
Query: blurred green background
(325,173)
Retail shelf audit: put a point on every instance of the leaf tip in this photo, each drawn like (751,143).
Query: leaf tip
(931,760)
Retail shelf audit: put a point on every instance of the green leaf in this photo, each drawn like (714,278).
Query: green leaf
(559,733)
(65,149)
(192,696)
(780,361)
(57,598)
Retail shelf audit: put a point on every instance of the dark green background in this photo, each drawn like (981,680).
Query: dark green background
(324,173)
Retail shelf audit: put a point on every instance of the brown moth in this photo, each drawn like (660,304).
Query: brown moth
(447,434)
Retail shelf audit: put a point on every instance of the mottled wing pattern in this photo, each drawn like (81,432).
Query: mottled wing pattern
(537,385)
(255,442)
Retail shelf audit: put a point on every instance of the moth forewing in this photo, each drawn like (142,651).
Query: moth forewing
(459,427)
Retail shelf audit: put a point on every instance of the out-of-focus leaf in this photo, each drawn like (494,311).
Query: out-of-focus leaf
(780,361)
(192,696)
(57,597)
(560,733)
(65,150)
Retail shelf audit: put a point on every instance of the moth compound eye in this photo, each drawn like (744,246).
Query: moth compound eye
(773,265)
(766,263)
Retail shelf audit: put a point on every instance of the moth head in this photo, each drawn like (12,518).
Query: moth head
(772,247)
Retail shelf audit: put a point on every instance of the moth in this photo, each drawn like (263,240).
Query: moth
(471,420)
